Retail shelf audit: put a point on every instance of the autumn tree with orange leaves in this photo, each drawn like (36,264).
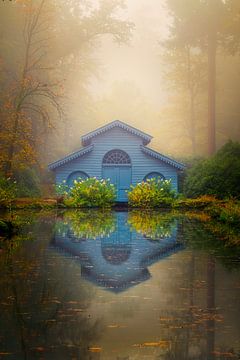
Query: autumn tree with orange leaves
(30,95)
(49,44)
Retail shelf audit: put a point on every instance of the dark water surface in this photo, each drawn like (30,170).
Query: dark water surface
(117,285)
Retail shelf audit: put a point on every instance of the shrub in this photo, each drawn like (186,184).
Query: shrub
(201,202)
(228,212)
(28,183)
(218,175)
(91,193)
(62,189)
(7,191)
(151,193)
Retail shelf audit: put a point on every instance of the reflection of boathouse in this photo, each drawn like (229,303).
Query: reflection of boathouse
(119,260)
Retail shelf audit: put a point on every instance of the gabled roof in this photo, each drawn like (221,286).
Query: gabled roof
(164,158)
(70,157)
(116,123)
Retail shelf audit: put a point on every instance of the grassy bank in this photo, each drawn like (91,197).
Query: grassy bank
(222,210)
(221,216)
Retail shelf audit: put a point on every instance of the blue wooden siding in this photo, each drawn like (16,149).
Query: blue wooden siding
(116,138)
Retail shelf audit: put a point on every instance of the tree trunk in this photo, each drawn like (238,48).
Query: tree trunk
(212,47)
(192,123)
(192,129)
(11,148)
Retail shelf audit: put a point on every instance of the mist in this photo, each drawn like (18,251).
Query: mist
(143,62)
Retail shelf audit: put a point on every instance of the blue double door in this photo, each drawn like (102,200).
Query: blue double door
(121,177)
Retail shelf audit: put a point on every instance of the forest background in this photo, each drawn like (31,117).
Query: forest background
(169,67)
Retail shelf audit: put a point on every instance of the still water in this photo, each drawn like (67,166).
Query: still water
(118,285)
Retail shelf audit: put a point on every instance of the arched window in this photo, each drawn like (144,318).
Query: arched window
(154,175)
(116,254)
(76,175)
(116,157)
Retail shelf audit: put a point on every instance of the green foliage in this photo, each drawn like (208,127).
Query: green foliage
(5,228)
(91,192)
(199,203)
(152,193)
(25,183)
(28,183)
(228,212)
(15,228)
(218,175)
(62,189)
(8,191)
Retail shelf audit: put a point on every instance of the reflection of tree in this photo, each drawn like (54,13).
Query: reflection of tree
(88,224)
(153,225)
(44,304)
(201,236)
(210,307)
(191,330)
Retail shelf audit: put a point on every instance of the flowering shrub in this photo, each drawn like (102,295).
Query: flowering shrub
(62,189)
(151,193)
(91,192)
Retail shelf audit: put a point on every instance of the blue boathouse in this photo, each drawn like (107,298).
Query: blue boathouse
(119,152)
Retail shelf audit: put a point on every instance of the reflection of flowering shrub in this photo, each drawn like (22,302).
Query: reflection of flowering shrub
(91,192)
(152,225)
(87,224)
(151,193)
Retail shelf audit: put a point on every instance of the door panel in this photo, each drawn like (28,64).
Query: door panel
(121,177)
(110,172)
(125,177)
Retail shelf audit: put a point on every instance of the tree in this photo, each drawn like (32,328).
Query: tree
(186,74)
(204,24)
(30,92)
(74,49)
(48,46)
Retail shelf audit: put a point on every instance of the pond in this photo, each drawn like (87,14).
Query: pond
(117,285)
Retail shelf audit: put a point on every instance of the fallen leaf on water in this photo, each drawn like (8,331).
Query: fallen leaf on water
(72,302)
(39,348)
(116,326)
(225,354)
(166,319)
(176,327)
(161,343)
(95,349)
(5,353)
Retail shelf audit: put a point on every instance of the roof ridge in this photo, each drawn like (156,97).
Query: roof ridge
(162,157)
(70,157)
(112,124)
